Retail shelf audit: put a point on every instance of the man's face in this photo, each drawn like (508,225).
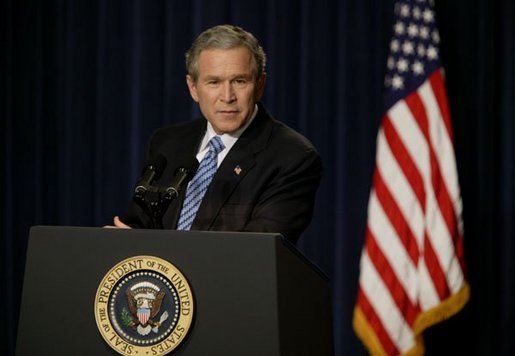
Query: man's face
(226,88)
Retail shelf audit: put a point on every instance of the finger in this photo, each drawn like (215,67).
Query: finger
(118,223)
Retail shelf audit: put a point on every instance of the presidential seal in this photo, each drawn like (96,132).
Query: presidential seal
(144,306)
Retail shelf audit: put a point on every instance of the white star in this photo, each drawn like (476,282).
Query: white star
(412,30)
(397,8)
(404,10)
(394,45)
(399,28)
(416,13)
(402,65)
(390,64)
(436,36)
(417,68)
(428,15)
(424,32)
(397,82)
(432,53)
(387,81)
(421,50)
(407,47)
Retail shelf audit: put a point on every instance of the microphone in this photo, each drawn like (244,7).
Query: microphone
(151,172)
(183,175)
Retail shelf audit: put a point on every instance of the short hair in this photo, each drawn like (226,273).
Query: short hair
(225,37)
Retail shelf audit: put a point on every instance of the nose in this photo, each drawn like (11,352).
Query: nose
(227,95)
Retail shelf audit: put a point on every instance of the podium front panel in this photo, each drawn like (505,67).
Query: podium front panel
(234,278)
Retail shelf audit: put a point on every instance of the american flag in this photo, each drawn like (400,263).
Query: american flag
(412,272)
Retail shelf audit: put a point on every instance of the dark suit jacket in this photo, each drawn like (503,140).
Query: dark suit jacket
(273,192)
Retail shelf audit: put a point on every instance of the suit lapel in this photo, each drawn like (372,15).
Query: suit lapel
(240,160)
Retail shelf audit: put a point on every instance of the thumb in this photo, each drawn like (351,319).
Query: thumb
(118,223)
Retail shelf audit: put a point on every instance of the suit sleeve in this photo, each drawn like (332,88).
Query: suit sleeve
(286,204)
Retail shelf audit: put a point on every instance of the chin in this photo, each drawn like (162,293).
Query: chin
(228,127)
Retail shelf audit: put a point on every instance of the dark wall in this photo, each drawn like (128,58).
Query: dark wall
(84,84)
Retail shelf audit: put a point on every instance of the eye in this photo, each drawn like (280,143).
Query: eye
(240,82)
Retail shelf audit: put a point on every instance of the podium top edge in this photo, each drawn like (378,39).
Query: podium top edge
(277,237)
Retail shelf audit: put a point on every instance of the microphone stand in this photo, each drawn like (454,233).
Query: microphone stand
(153,203)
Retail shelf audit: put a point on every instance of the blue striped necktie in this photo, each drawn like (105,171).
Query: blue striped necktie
(198,186)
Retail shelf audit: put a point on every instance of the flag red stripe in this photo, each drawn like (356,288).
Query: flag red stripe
(446,207)
(394,214)
(437,84)
(460,254)
(375,323)
(418,111)
(405,161)
(435,270)
(443,198)
(385,270)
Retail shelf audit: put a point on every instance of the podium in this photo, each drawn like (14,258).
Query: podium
(254,293)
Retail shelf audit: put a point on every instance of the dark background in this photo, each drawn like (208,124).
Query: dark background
(84,84)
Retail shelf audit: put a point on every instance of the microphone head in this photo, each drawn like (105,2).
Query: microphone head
(186,165)
(156,163)
(183,174)
(189,165)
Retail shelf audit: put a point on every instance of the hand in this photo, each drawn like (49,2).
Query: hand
(118,224)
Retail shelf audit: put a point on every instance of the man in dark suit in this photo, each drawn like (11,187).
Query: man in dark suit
(266,173)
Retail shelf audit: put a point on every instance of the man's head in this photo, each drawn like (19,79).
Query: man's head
(225,37)
(226,76)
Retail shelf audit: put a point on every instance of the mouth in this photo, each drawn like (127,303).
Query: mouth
(228,112)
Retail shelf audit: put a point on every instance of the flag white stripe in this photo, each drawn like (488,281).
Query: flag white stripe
(428,295)
(442,145)
(389,243)
(442,243)
(416,144)
(379,297)
(455,278)
(412,137)
(438,234)
(400,188)
(438,231)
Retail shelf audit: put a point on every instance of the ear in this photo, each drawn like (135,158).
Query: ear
(192,87)
(260,86)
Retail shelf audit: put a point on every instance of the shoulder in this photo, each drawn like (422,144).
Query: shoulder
(277,145)
(180,130)
(293,151)
(286,136)
(278,136)
(285,140)
(179,137)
